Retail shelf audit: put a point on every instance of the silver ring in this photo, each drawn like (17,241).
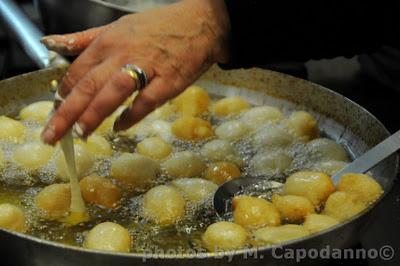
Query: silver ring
(137,74)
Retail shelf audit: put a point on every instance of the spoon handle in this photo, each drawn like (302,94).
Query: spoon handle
(372,157)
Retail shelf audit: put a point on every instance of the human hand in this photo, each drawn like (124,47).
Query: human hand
(174,45)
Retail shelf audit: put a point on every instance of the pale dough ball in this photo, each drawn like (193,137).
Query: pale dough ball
(195,189)
(193,101)
(142,129)
(252,212)
(327,149)
(38,111)
(303,125)
(343,205)
(318,222)
(257,116)
(107,125)
(163,205)
(270,162)
(293,209)
(184,164)
(36,133)
(230,106)
(134,169)
(165,111)
(84,161)
(11,130)
(280,234)
(54,201)
(272,136)
(12,218)
(367,189)
(191,128)
(222,236)
(97,145)
(110,237)
(33,155)
(100,191)
(2,160)
(162,129)
(221,150)
(221,172)
(329,167)
(232,130)
(315,186)
(154,148)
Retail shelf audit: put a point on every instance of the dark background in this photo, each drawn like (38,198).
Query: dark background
(370,80)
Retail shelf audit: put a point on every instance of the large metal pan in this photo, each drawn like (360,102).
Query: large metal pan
(339,118)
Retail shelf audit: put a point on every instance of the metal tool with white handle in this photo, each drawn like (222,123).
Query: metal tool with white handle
(224,194)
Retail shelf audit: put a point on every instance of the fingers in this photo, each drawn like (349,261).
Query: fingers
(72,44)
(155,94)
(76,103)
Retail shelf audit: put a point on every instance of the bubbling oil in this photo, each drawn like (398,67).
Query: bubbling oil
(19,186)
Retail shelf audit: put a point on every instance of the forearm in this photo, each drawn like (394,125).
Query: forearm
(264,32)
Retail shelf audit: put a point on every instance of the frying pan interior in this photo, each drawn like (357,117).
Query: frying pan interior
(338,117)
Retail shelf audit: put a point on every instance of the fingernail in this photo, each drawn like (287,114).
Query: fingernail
(48,41)
(48,135)
(78,131)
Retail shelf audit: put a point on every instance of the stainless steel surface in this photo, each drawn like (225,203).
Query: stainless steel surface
(372,157)
(25,31)
(27,34)
(338,117)
(76,15)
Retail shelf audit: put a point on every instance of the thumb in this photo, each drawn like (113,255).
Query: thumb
(73,43)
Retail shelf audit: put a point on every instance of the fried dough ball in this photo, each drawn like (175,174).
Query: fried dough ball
(162,129)
(108,236)
(191,128)
(272,136)
(134,170)
(280,234)
(184,164)
(195,189)
(12,130)
(97,145)
(315,186)
(154,148)
(100,191)
(163,205)
(53,201)
(192,102)
(231,130)
(252,212)
(329,167)
(270,162)
(33,155)
(12,218)
(223,235)
(230,106)
(257,116)
(221,150)
(327,149)
(38,111)
(36,133)
(303,125)
(366,188)
(107,125)
(318,222)
(2,161)
(84,160)
(293,209)
(343,205)
(163,112)
(221,172)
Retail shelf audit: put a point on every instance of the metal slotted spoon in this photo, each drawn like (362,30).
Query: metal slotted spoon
(223,196)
